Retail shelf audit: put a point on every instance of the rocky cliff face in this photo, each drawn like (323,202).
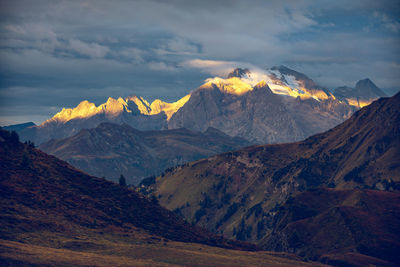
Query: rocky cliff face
(258,115)
(110,149)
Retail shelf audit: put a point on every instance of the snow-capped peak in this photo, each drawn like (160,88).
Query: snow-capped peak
(114,107)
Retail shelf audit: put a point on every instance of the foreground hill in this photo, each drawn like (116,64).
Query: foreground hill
(265,106)
(239,194)
(54,215)
(110,149)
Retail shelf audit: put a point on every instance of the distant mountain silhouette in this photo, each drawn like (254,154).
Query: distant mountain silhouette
(18,127)
(110,149)
(363,94)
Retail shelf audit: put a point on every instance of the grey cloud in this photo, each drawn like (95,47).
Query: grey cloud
(93,50)
(388,22)
(151,46)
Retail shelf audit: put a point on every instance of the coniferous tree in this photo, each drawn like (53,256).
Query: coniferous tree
(122,180)
(14,138)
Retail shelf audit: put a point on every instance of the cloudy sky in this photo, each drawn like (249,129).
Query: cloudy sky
(54,54)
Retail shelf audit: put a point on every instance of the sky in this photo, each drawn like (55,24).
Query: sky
(55,54)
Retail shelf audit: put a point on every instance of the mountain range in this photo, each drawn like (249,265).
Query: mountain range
(272,106)
(111,149)
(333,197)
(52,214)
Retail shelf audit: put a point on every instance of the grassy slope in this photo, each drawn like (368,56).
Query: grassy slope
(103,252)
(239,193)
(54,215)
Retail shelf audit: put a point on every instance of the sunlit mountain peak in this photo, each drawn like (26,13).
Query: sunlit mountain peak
(114,107)
(158,106)
(261,84)
(84,109)
(232,85)
(280,80)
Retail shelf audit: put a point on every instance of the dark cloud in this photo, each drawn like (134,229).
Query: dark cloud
(57,53)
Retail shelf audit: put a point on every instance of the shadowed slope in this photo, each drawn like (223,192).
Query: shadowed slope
(240,193)
(54,215)
(41,192)
(111,149)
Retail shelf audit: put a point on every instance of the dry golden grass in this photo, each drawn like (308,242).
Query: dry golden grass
(104,252)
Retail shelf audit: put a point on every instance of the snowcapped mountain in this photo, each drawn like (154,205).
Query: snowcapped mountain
(283,81)
(273,106)
(268,106)
(114,107)
(134,111)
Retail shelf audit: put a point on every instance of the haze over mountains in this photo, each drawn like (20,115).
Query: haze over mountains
(111,149)
(361,95)
(301,197)
(276,105)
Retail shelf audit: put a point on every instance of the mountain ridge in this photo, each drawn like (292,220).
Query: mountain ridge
(322,108)
(238,194)
(55,215)
(110,149)
(364,92)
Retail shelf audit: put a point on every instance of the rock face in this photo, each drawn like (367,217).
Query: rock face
(258,115)
(241,194)
(238,73)
(304,82)
(110,149)
(363,94)
(274,106)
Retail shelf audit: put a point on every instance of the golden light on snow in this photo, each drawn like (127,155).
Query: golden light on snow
(278,83)
(158,106)
(357,103)
(113,107)
(231,86)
